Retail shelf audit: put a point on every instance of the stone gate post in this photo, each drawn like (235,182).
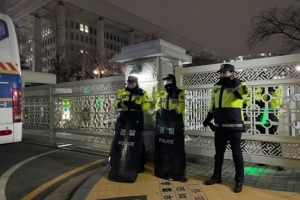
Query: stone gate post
(150,62)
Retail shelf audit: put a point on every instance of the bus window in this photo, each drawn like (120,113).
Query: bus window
(3,30)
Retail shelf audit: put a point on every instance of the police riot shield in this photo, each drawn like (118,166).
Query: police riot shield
(169,146)
(125,151)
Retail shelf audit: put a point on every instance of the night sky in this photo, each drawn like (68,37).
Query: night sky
(219,25)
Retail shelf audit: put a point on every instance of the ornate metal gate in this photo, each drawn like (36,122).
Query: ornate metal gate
(280,74)
(79,113)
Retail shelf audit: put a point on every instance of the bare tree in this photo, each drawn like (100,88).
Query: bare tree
(277,21)
(204,58)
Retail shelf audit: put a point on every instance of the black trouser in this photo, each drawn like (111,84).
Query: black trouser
(221,140)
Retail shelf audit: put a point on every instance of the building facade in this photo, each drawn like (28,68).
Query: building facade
(49,30)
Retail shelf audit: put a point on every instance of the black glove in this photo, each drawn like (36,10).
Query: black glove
(260,104)
(211,126)
(126,103)
(209,117)
(173,112)
(135,106)
(119,105)
(235,82)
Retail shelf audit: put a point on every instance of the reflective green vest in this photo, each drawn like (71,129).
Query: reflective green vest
(176,103)
(226,105)
(141,99)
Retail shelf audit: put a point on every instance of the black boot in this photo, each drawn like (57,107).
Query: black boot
(184,178)
(212,181)
(279,168)
(238,187)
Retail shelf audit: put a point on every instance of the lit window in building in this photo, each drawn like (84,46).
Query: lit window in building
(81,27)
(81,51)
(86,28)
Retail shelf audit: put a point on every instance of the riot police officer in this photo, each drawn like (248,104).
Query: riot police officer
(226,110)
(170,159)
(131,102)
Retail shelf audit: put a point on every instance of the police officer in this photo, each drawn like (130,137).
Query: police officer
(172,100)
(226,110)
(131,102)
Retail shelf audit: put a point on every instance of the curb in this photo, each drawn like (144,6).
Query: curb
(83,191)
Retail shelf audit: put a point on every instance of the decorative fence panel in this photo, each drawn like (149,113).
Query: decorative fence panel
(267,75)
(80,113)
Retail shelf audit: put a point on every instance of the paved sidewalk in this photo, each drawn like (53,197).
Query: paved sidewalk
(261,182)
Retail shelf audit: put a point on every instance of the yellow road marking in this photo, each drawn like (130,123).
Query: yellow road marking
(43,187)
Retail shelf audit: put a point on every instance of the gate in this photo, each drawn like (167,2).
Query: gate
(281,74)
(80,113)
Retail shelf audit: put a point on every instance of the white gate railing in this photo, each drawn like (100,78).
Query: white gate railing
(80,113)
(282,148)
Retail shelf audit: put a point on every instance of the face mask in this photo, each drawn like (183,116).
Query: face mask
(168,82)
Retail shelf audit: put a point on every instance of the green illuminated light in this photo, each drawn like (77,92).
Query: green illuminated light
(254,171)
(66,105)
(98,101)
(85,90)
(264,120)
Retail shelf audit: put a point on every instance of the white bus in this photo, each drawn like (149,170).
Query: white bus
(10,83)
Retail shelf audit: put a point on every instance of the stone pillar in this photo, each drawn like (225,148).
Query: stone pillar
(131,38)
(151,61)
(100,34)
(60,33)
(37,38)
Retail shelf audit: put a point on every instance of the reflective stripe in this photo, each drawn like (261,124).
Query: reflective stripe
(230,125)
